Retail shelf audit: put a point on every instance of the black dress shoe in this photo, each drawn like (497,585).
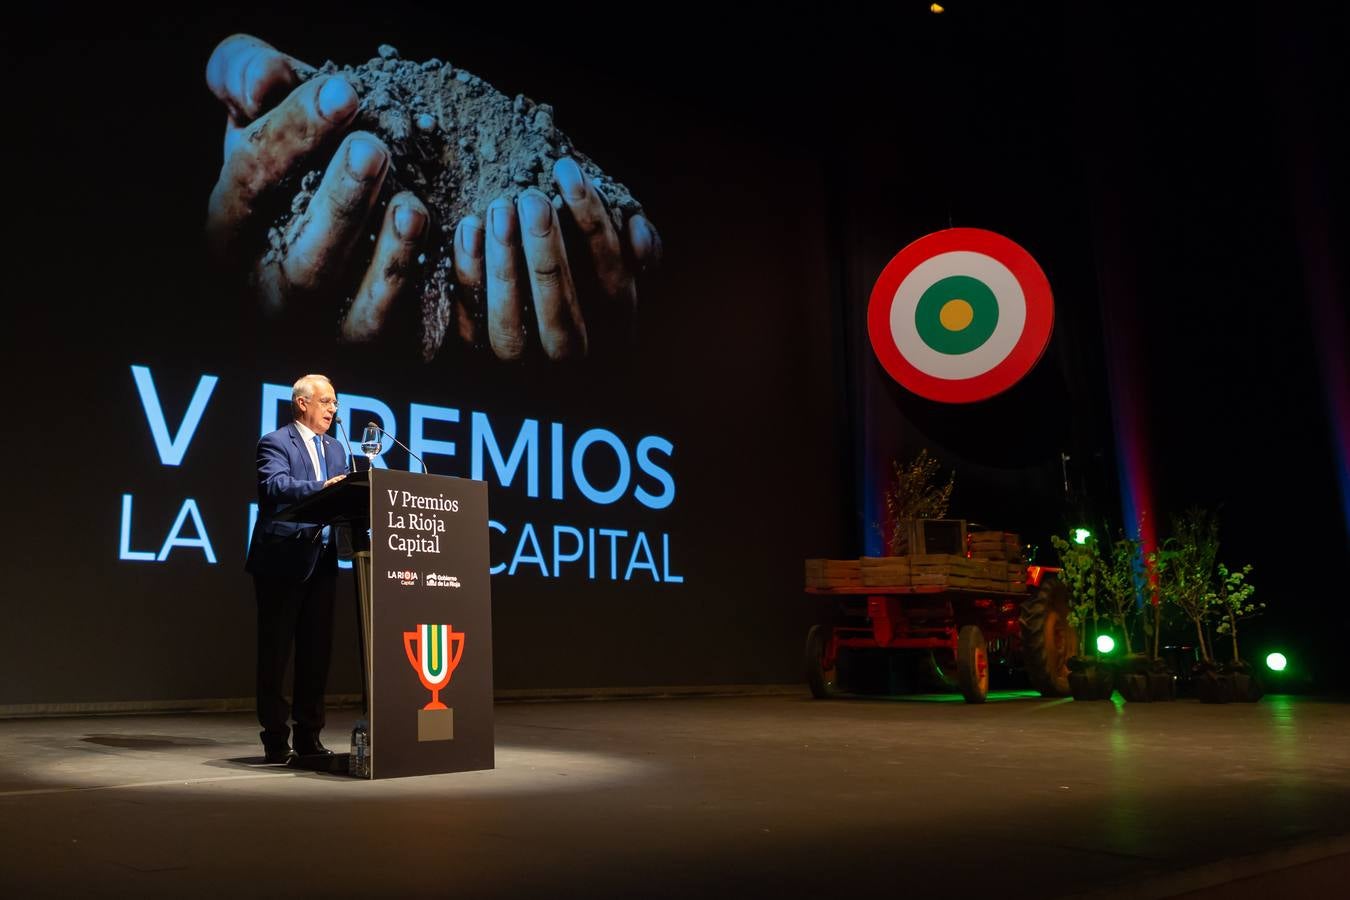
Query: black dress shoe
(311,746)
(277,755)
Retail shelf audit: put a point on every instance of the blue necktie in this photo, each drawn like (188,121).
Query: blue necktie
(323,464)
(323,473)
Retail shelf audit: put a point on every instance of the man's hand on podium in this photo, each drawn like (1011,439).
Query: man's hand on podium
(334,480)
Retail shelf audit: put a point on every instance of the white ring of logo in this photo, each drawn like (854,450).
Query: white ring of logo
(1012,315)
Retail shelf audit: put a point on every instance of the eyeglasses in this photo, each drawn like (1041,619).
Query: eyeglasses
(332,404)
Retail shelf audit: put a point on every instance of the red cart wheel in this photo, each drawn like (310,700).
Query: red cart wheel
(821,677)
(972,664)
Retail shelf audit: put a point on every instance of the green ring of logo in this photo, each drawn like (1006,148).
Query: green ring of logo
(927,314)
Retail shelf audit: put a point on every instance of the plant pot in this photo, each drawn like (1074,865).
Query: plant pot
(1246,686)
(1162,686)
(1135,688)
(1147,687)
(1214,687)
(1144,680)
(1092,683)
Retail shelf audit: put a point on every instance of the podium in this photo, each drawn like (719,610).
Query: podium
(425,615)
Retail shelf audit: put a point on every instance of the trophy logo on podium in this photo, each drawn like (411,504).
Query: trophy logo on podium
(437,653)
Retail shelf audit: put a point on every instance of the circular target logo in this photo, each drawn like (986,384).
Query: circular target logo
(960,315)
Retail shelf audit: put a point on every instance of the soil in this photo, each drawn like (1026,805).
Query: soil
(458,144)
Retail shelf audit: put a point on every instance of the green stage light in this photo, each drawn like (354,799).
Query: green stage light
(1105,643)
(1081,535)
(1276,662)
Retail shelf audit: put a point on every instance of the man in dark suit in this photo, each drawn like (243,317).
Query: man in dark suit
(294,568)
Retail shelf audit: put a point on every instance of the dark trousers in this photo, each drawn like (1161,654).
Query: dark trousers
(299,614)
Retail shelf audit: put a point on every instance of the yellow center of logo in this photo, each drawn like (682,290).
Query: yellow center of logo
(956,315)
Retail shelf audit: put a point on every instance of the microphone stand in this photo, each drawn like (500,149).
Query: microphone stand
(351,460)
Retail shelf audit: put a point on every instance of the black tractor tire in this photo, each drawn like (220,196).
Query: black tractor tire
(1048,640)
(972,664)
(824,683)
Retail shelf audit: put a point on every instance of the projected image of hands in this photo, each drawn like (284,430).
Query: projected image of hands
(410,205)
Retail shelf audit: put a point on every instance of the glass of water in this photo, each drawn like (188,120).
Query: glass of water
(370,443)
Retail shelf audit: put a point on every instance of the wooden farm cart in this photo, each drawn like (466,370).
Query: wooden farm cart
(960,626)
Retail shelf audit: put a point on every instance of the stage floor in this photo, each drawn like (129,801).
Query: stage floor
(755,796)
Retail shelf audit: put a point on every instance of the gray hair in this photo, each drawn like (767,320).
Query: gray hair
(305,388)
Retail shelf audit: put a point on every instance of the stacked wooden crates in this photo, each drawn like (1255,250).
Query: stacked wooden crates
(1000,552)
(994,562)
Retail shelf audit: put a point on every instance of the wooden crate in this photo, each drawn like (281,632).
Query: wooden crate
(884,571)
(995,545)
(829,573)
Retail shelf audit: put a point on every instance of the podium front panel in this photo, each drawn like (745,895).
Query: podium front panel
(430,641)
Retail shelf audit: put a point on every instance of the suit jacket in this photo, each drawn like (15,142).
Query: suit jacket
(288,550)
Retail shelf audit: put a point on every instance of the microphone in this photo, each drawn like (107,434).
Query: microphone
(397,441)
(351,460)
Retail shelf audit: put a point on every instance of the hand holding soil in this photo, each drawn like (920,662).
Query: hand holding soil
(444,202)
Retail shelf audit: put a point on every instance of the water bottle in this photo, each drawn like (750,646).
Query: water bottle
(358,762)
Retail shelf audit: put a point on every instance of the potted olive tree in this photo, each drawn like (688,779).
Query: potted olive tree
(1186,571)
(1089,677)
(1232,601)
(916,491)
(1125,574)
